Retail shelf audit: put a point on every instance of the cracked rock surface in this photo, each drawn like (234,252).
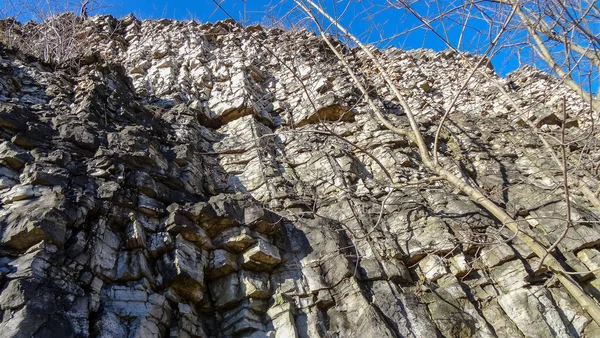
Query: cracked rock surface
(214,180)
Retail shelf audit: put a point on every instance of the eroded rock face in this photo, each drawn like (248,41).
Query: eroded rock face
(175,186)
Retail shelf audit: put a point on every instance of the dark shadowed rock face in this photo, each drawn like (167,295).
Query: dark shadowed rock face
(173,186)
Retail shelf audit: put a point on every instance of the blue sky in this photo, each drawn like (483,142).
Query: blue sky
(368,19)
(203,10)
(371,20)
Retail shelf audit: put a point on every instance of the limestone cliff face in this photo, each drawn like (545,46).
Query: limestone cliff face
(188,180)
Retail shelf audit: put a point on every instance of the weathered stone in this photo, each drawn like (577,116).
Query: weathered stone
(8,177)
(25,323)
(591,258)
(183,269)
(177,223)
(132,266)
(424,85)
(42,174)
(428,234)
(12,156)
(510,276)
(255,285)
(497,319)
(136,238)
(105,250)
(18,193)
(160,243)
(432,268)
(576,321)
(262,256)
(189,323)
(406,310)
(125,301)
(239,320)
(313,278)
(533,312)
(29,222)
(108,189)
(109,325)
(453,315)
(150,206)
(493,255)
(146,184)
(226,291)
(278,201)
(15,293)
(282,319)
(222,263)
(236,240)
(459,265)
(82,136)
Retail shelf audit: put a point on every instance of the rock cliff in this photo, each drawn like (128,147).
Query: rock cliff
(180,179)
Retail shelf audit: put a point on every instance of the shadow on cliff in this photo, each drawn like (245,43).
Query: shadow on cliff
(470,170)
(123,158)
(21,131)
(284,232)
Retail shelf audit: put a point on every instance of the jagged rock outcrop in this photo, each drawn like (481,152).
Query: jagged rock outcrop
(211,180)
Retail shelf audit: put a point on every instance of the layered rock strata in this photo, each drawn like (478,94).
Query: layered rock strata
(213,180)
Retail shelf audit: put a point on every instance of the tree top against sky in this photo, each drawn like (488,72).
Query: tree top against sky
(467,26)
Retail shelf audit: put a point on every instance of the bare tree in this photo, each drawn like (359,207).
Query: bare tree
(54,35)
(557,36)
(543,23)
(83,12)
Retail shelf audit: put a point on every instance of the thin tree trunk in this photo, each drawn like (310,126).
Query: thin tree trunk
(586,302)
